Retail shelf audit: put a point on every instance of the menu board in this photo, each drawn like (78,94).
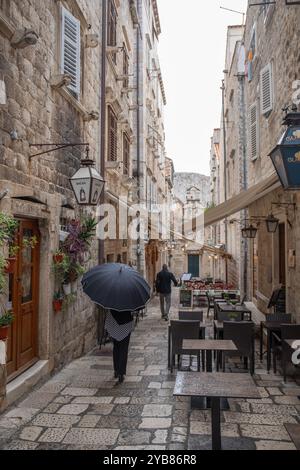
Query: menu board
(186,298)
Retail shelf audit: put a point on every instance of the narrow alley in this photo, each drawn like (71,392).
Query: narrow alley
(81,407)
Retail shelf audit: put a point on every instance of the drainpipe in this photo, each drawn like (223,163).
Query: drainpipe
(103,111)
(241,78)
(138,130)
(225,173)
(138,147)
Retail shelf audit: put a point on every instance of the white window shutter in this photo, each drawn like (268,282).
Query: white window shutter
(253,132)
(266,89)
(70,53)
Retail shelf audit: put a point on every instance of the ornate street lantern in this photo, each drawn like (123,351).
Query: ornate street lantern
(87,184)
(286,155)
(249,232)
(272,223)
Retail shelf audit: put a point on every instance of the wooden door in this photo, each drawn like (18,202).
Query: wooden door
(23,295)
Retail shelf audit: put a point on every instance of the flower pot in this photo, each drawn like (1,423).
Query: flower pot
(67,289)
(58,258)
(57,305)
(10,267)
(4,333)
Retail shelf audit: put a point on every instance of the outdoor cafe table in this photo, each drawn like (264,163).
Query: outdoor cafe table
(225,308)
(208,346)
(215,386)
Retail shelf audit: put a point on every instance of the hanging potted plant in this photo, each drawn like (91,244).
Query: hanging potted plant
(5,321)
(58,257)
(58,300)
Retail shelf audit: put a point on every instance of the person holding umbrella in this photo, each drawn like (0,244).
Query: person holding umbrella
(119,326)
(121,290)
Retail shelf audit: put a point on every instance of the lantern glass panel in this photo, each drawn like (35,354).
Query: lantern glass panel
(272,224)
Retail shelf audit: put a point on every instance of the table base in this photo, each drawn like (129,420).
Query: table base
(204,403)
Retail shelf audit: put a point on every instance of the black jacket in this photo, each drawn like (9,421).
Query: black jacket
(163,282)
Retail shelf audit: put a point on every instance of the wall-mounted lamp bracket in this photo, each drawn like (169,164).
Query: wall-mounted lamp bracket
(56,147)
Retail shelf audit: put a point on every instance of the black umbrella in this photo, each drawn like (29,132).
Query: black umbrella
(116,286)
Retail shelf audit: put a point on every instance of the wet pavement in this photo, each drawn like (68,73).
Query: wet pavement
(82,407)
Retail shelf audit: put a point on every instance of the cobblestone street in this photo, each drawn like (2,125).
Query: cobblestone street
(81,407)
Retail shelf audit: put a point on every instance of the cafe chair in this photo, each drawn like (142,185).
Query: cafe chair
(194,315)
(276,318)
(180,330)
(281,349)
(243,335)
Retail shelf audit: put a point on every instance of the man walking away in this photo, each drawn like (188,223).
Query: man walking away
(163,287)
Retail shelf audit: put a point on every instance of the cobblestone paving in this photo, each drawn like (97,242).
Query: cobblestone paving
(81,407)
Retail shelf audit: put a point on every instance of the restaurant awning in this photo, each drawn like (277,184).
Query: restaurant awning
(241,201)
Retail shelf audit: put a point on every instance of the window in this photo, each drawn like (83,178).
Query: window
(266,89)
(112,27)
(125,67)
(253,132)
(126,154)
(70,49)
(112,136)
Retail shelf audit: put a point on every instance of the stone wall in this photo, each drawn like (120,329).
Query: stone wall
(42,113)
(184,181)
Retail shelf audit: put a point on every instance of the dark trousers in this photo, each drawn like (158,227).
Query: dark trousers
(120,355)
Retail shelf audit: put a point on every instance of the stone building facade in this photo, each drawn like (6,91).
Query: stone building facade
(50,92)
(42,105)
(121,109)
(150,161)
(271,74)
(271,42)
(231,174)
(191,198)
